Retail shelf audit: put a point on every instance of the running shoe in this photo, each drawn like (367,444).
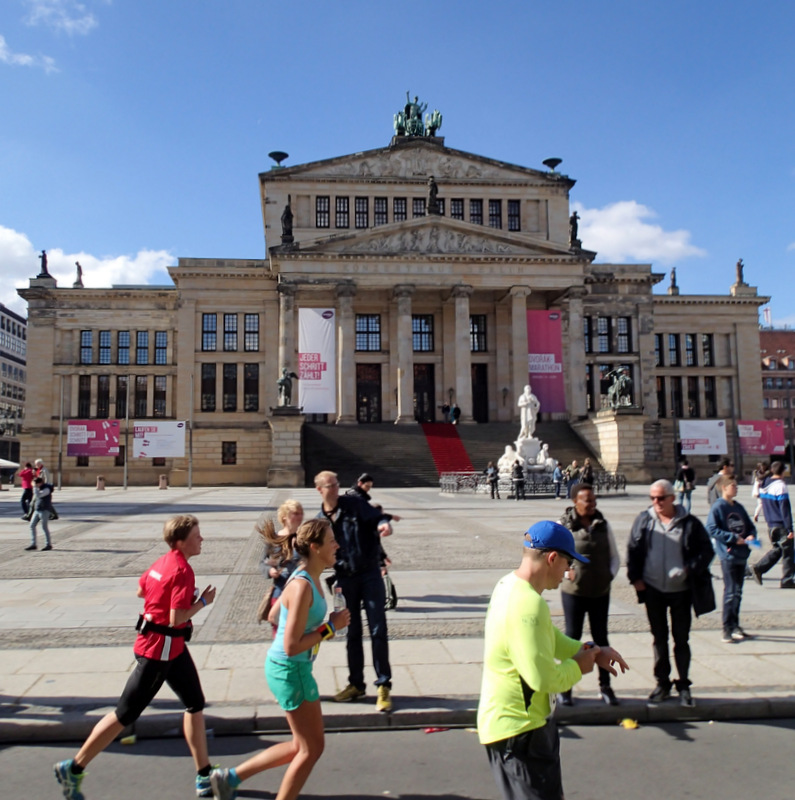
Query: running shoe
(222,789)
(350,692)
(70,783)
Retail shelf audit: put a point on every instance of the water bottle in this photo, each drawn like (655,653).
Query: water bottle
(339,604)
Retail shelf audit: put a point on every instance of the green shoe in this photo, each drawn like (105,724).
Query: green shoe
(70,783)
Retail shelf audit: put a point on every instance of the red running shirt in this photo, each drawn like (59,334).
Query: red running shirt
(168,583)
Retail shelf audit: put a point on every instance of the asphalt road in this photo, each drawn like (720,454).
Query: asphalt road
(730,761)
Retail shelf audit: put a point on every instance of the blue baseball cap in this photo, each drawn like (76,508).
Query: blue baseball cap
(548,535)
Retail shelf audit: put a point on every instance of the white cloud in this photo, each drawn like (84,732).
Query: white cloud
(621,232)
(67,16)
(24,60)
(791,246)
(19,261)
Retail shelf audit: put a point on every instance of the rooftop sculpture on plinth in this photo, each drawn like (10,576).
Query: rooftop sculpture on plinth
(408,121)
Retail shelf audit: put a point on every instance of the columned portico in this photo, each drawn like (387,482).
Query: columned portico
(405,372)
(519,363)
(463,352)
(286,325)
(346,344)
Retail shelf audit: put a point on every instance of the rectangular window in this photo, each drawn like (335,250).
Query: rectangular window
(604,335)
(140,396)
(477,333)
(123,347)
(230,332)
(690,350)
(693,405)
(84,396)
(250,387)
(658,350)
(322,209)
(476,212)
(342,216)
(676,396)
(251,333)
(418,207)
(86,346)
(661,397)
(457,208)
(208,387)
(361,212)
(229,452)
(707,352)
(589,404)
(368,332)
(142,347)
(209,332)
(422,333)
(121,396)
(586,332)
(119,460)
(514,218)
(159,462)
(161,347)
(495,213)
(380,211)
(440,204)
(230,387)
(81,461)
(399,209)
(159,398)
(104,347)
(710,397)
(624,337)
(103,396)
(673,351)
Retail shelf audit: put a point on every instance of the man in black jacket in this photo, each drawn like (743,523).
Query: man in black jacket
(358,527)
(668,559)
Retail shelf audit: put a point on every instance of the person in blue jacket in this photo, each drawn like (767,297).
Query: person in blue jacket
(731,530)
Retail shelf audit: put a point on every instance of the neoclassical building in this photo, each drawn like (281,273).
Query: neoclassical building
(448,277)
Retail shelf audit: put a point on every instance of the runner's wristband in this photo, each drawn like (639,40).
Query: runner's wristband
(203,601)
(326,631)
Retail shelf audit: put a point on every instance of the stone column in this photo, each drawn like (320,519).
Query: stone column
(575,385)
(286,326)
(463,352)
(519,363)
(405,377)
(346,360)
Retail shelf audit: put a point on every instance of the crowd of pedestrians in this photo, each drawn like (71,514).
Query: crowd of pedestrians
(529,665)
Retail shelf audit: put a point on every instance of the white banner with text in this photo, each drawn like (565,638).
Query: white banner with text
(317,375)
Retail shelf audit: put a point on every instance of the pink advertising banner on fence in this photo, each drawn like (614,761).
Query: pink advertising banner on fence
(545,359)
(761,437)
(92,437)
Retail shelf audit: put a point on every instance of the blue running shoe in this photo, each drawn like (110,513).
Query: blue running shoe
(203,786)
(222,788)
(70,783)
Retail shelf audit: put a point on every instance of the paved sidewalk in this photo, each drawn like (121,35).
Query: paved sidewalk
(65,617)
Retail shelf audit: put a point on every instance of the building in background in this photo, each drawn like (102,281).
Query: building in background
(777,350)
(445,277)
(13,349)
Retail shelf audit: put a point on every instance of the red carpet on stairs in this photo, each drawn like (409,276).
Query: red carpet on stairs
(447,449)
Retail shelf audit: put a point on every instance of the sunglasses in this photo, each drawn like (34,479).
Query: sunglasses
(658,498)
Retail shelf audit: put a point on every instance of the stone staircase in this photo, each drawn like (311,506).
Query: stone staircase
(398,455)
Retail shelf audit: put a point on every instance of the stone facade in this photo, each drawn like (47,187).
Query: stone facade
(431,308)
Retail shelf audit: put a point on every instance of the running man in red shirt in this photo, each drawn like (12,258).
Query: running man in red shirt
(168,589)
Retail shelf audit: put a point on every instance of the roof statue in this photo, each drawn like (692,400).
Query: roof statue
(408,121)
(740,266)
(43,259)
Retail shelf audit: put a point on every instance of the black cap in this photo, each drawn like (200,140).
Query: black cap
(365,477)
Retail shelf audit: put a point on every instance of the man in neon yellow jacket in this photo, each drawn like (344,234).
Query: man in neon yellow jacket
(527,661)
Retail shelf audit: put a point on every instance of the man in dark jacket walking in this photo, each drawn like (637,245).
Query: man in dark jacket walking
(358,527)
(668,559)
(774,495)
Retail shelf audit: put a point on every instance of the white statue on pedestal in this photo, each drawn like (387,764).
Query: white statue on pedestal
(506,462)
(528,412)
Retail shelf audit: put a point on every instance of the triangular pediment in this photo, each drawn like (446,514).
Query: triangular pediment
(418,159)
(430,236)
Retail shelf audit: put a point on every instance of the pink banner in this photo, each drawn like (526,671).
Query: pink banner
(545,360)
(92,437)
(761,437)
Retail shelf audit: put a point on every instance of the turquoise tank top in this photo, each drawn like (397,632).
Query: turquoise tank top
(317,614)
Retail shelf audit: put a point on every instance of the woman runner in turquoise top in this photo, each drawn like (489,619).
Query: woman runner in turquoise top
(288,668)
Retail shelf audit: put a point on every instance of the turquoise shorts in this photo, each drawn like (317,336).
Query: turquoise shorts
(291,683)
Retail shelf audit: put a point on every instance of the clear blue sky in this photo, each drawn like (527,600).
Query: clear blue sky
(132,132)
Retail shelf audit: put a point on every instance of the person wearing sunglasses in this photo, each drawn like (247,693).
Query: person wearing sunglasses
(668,558)
(527,661)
